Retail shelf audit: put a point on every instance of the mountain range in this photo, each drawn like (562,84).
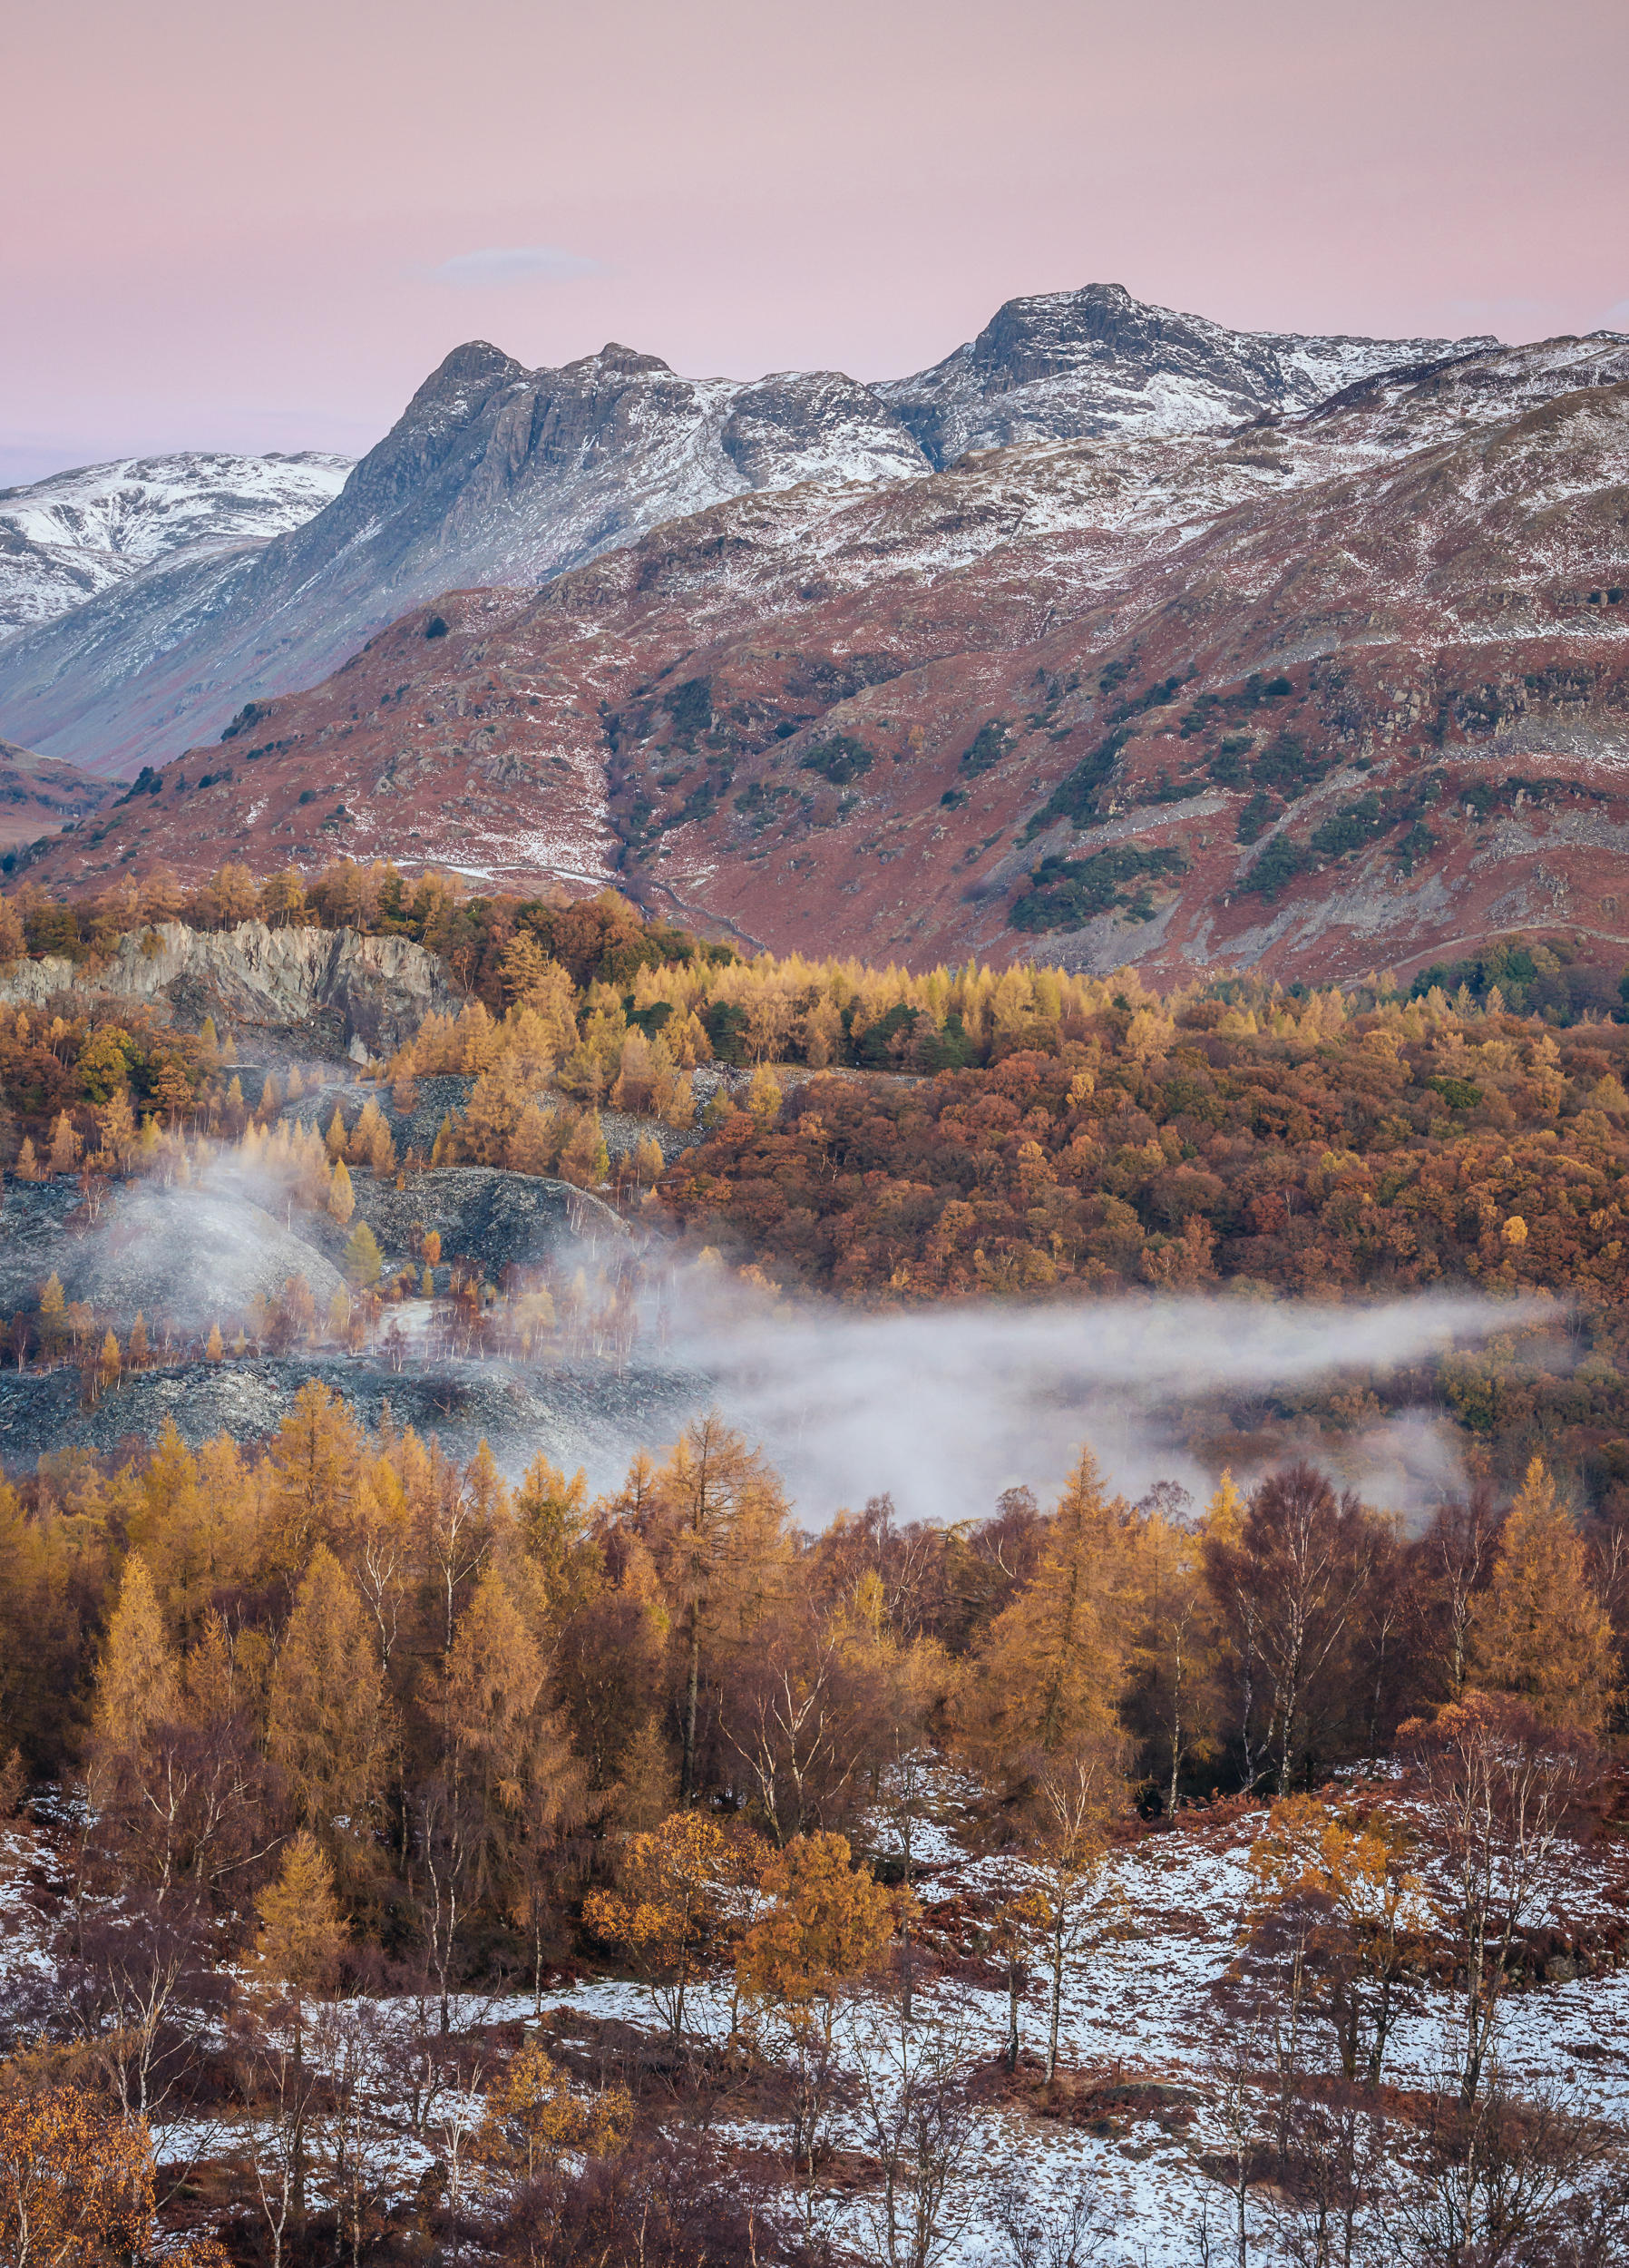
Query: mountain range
(497,474)
(1116,637)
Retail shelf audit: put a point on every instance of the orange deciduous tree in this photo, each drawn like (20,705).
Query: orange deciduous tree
(534,2116)
(680,1892)
(829,1926)
(76,2184)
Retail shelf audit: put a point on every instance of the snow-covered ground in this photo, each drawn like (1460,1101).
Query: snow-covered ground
(1141,2008)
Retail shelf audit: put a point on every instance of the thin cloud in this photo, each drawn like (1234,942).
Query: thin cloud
(499,265)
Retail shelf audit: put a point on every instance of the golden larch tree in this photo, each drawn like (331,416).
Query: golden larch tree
(136,1682)
(329,1727)
(1053,1668)
(1539,1631)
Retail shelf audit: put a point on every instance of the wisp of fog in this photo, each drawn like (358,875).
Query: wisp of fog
(944,1408)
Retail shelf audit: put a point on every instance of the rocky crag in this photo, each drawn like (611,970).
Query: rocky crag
(353,995)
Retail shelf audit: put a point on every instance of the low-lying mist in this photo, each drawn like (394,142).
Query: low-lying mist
(940,1408)
(943,1409)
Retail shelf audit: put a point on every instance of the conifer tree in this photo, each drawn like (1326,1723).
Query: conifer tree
(328,1726)
(488,1704)
(361,1261)
(1539,1631)
(315,1455)
(763,1096)
(136,1682)
(342,1198)
(65,1147)
(524,965)
(534,1145)
(718,1540)
(585,1158)
(370,1144)
(551,1514)
(1053,1666)
(295,1961)
(301,1936)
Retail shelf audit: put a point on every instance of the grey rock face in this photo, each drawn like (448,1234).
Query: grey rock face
(1068,365)
(332,985)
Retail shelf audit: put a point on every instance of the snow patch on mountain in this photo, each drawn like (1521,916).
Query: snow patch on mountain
(65,538)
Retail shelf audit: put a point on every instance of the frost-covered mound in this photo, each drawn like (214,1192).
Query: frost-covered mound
(485,1214)
(585,1416)
(189,1255)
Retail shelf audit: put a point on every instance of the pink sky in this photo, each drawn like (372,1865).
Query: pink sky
(225,224)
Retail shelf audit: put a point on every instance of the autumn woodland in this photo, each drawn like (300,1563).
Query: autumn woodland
(419,1849)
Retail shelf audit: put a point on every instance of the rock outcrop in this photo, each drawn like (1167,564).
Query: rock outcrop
(362,994)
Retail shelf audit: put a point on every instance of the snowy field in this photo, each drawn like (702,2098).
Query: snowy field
(1141,2008)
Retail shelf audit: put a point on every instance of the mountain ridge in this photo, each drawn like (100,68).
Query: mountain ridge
(65,538)
(1339,691)
(497,474)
